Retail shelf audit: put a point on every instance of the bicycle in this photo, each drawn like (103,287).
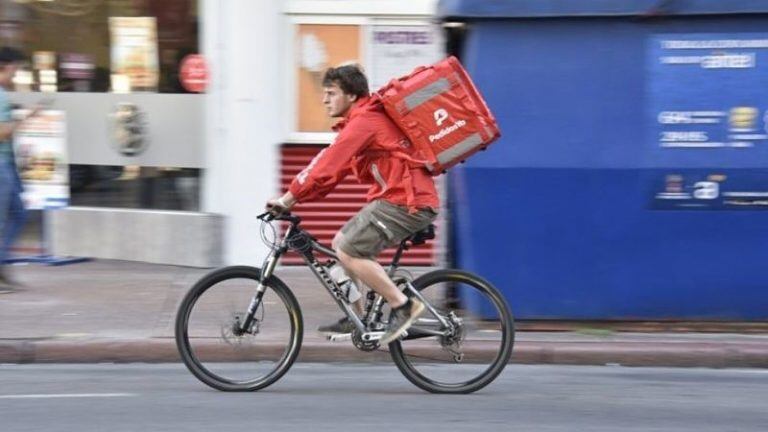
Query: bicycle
(248,316)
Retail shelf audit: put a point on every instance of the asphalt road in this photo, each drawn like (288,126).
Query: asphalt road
(354,397)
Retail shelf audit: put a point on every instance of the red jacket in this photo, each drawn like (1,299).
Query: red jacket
(371,146)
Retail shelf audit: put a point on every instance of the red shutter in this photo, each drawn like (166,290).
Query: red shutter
(325,217)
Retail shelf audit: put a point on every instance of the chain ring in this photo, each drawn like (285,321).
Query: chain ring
(359,343)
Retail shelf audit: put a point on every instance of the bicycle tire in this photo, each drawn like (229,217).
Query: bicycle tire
(186,308)
(505,321)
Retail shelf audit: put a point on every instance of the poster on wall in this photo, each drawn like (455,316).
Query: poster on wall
(708,120)
(318,47)
(134,52)
(41,157)
(397,50)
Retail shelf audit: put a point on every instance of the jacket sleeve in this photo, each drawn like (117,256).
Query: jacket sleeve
(333,163)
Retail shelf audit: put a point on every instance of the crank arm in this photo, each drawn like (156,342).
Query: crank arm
(340,337)
(420,333)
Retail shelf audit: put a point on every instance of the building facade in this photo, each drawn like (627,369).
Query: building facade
(161,171)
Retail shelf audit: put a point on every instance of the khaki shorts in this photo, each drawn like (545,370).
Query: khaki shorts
(379,225)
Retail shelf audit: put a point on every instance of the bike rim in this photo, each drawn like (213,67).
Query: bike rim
(246,360)
(475,354)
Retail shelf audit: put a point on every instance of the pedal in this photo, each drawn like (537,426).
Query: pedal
(338,337)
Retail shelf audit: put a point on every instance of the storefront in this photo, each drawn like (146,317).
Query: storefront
(148,150)
(89,59)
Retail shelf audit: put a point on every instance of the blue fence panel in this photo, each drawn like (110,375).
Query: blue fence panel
(570,213)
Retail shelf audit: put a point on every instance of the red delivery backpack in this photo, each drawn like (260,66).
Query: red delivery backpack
(441,112)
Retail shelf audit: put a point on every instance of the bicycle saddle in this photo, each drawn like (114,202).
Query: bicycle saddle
(422,236)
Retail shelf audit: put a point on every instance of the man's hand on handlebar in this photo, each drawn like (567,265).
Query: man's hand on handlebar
(281,205)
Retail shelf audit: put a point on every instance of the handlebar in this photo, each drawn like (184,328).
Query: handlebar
(269,216)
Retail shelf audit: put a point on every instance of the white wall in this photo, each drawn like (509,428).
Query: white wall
(390,8)
(246,43)
(241,40)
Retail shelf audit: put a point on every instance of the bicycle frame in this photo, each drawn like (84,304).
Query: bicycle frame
(298,240)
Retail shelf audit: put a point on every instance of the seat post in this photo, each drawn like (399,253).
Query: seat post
(396,259)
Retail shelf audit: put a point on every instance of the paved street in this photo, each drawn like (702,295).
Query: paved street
(350,397)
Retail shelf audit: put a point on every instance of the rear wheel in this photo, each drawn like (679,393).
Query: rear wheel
(210,341)
(478,343)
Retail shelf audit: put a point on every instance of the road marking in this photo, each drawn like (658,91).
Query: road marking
(66,395)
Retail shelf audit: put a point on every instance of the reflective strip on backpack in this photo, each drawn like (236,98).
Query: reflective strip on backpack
(488,132)
(419,97)
(459,149)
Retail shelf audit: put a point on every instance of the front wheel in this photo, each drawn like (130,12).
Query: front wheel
(475,347)
(209,332)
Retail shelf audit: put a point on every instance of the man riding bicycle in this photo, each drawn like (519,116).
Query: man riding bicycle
(402,199)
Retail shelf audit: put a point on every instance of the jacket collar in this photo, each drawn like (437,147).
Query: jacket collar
(357,107)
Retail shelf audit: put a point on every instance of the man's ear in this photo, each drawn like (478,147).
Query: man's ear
(353,97)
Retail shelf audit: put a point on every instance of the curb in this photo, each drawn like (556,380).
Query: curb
(157,350)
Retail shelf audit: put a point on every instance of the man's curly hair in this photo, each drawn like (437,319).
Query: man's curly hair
(349,77)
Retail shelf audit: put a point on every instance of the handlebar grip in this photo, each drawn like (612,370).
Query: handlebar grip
(266,216)
(269,216)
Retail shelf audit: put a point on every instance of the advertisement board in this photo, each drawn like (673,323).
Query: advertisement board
(134,51)
(397,50)
(41,158)
(708,116)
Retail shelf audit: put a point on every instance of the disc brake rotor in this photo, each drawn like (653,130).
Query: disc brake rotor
(234,337)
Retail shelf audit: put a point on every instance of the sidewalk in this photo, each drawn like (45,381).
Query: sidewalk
(115,311)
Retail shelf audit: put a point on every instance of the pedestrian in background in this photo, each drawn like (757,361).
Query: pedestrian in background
(12,212)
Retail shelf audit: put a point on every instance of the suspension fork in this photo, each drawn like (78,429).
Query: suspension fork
(266,272)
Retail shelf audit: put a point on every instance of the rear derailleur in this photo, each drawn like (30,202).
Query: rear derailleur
(452,341)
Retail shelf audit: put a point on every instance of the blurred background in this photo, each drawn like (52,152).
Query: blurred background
(629,182)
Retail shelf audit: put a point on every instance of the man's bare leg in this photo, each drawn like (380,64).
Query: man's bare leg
(374,276)
(358,304)
(404,311)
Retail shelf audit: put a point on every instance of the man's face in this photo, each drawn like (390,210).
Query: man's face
(336,102)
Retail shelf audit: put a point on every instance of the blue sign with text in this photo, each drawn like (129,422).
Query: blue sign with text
(709,99)
(708,109)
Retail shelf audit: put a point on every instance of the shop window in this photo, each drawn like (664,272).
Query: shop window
(100,45)
(135,187)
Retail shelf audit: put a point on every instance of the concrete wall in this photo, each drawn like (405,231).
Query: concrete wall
(163,237)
